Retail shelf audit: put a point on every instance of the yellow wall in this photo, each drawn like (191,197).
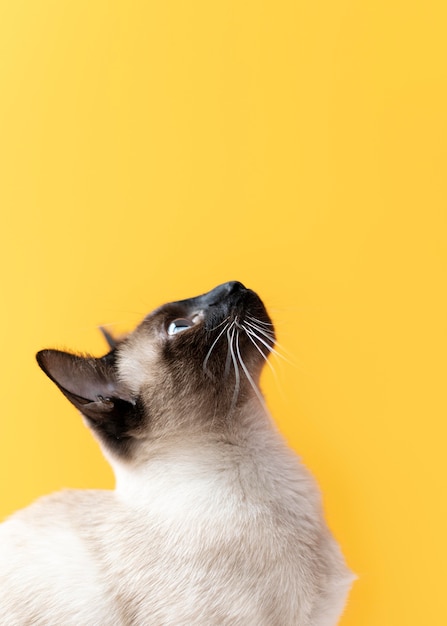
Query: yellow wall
(150,150)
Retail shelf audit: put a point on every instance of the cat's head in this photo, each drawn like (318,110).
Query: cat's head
(190,366)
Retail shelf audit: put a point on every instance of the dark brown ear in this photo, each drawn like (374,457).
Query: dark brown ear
(112,342)
(91,385)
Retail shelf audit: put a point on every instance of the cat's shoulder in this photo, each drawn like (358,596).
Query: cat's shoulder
(67,506)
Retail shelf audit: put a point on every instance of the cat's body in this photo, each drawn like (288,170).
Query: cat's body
(213,520)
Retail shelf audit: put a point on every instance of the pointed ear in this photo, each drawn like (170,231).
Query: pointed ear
(112,342)
(92,386)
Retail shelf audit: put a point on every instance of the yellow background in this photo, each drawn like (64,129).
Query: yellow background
(151,150)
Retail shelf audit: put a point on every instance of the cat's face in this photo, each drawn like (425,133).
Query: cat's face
(189,366)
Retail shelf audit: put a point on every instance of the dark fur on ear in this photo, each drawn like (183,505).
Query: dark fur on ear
(112,342)
(92,387)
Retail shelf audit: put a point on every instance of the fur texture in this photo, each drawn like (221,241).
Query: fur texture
(213,521)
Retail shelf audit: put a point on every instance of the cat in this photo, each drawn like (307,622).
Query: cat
(213,520)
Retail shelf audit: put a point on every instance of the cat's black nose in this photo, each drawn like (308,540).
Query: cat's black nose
(221,293)
(233,286)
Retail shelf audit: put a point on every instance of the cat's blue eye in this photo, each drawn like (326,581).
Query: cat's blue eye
(178,325)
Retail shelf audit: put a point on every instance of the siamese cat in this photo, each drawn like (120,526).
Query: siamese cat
(213,520)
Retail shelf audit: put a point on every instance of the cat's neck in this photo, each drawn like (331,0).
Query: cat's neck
(197,458)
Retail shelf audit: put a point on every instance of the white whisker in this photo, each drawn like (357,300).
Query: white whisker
(279,386)
(249,378)
(236,369)
(211,349)
(266,333)
(264,356)
(257,321)
(228,357)
(221,324)
(272,339)
(270,348)
(250,336)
